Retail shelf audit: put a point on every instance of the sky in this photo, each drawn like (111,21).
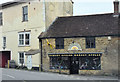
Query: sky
(88,7)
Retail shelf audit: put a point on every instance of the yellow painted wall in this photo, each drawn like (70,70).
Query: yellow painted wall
(13,24)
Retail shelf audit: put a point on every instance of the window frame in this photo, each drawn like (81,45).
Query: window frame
(1,18)
(90,41)
(59,63)
(21,58)
(24,38)
(24,14)
(59,44)
(91,62)
(4,42)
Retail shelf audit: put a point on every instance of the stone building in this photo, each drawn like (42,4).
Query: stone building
(21,22)
(82,45)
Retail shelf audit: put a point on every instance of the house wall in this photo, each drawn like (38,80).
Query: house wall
(57,9)
(109,58)
(12,24)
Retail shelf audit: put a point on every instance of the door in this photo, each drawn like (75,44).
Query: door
(74,65)
(29,62)
(5,56)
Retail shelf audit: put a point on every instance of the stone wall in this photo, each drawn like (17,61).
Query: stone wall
(109,49)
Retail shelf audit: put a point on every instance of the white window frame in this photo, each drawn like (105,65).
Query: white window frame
(19,58)
(24,39)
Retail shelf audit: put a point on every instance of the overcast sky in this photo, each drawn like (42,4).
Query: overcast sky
(85,7)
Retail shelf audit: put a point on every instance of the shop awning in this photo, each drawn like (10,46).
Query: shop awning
(76,54)
(32,52)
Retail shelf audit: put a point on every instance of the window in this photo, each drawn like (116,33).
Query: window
(90,42)
(4,42)
(90,63)
(24,39)
(59,62)
(1,19)
(25,13)
(59,43)
(21,57)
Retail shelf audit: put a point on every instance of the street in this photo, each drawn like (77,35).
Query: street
(13,74)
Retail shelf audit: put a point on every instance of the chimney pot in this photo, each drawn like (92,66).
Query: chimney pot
(116,6)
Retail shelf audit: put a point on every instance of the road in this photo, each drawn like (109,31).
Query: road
(13,74)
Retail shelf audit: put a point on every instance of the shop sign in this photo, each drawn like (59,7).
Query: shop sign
(74,46)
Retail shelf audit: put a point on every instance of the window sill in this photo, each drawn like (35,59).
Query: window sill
(90,48)
(24,46)
(25,21)
(59,48)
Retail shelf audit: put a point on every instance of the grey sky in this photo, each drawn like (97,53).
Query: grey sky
(85,7)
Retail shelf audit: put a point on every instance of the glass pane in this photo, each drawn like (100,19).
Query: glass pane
(89,63)
(26,36)
(21,42)
(26,17)
(25,10)
(27,42)
(21,36)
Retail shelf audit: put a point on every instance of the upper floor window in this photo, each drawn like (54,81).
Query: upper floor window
(1,19)
(4,42)
(24,39)
(25,13)
(90,42)
(59,43)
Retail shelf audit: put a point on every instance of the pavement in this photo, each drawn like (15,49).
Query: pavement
(15,74)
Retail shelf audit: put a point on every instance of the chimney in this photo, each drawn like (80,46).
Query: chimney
(116,7)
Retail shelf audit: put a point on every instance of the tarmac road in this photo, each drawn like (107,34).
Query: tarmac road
(13,74)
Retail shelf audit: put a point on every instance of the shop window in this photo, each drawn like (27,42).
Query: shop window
(90,63)
(59,62)
(90,42)
(59,43)
(65,63)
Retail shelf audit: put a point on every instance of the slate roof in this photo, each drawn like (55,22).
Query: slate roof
(82,26)
(13,3)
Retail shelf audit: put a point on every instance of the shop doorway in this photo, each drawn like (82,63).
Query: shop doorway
(74,65)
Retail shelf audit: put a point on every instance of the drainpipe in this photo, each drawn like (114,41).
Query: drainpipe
(40,41)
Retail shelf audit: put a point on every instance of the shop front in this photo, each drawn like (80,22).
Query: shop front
(75,62)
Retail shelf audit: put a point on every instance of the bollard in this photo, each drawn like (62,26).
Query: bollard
(8,64)
(39,68)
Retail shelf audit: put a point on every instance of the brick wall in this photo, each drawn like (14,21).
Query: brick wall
(109,58)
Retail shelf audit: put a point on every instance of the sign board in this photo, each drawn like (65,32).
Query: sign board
(74,46)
